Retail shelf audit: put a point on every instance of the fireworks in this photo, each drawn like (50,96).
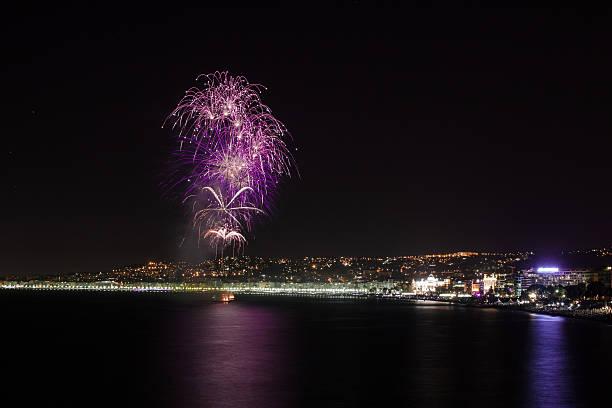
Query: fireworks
(230,157)
(225,237)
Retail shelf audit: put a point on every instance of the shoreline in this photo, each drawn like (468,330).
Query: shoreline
(595,317)
(587,314)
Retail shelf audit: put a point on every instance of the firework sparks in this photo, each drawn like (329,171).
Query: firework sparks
(230,145)
(225,237)
(236,214)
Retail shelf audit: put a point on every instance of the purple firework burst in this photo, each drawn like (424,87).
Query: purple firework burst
(230,158)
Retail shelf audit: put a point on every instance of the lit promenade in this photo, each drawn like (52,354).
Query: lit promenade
(312,289)
(271,288)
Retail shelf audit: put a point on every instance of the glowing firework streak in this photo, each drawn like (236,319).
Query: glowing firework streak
(224,102)
(230,145)
(223,234)
(225,237)
(233,212)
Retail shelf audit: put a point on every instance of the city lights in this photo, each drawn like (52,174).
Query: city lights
(548,269)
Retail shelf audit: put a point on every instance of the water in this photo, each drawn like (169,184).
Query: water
(83,349)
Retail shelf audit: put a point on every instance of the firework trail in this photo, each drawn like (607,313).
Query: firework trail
(231,155)
(223,237)
(230,213)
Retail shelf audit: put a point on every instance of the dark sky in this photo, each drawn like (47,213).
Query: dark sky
(419,130)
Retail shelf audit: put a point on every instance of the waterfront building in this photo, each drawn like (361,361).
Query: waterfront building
(460,286)
(429,285)
(475,286)
(522,281)
(552,276)
(488,283)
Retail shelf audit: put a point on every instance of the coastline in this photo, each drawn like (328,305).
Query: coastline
(585,314)
(590,315)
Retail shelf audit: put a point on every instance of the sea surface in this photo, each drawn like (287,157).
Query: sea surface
(178,350)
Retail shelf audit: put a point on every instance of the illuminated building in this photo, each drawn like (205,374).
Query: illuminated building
(522,281)
(551,276)
(459,286)
(431,284)
(488,283)
(475,287)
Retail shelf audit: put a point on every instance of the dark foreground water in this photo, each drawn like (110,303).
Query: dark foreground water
(179,351)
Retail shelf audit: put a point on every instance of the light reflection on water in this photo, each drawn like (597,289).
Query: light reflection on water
(240,357)
(346,355)
(550,377)
(179,351)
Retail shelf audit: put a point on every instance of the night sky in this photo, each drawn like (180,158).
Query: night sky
(419,130)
